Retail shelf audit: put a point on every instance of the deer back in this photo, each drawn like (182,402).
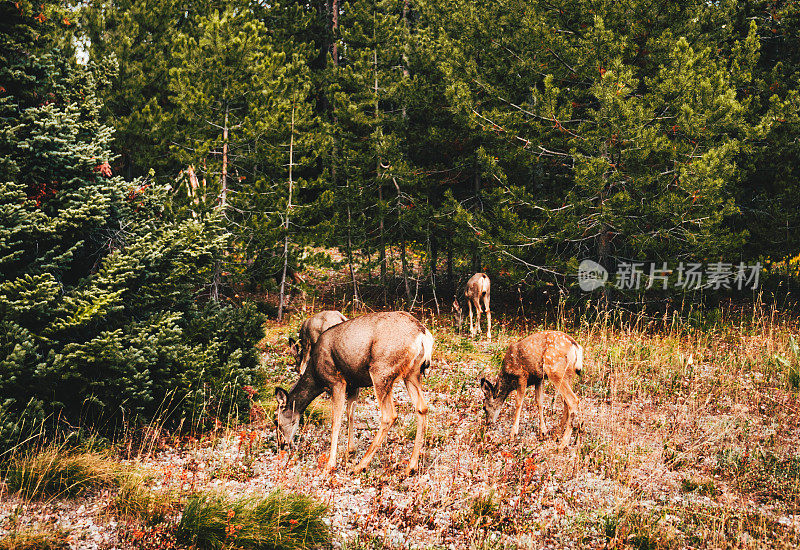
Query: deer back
(378,344)
(313,327)
(477,286)
(536,355)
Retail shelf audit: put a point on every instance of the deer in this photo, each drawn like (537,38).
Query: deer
(548,353)
(477,292)
(310,331)
(375,350)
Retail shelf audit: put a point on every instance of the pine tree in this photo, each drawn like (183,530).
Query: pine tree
(98,278)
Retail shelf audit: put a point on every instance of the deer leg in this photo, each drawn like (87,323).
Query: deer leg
(488,318)
(352,399)
(471,327)
(521,387)
(337,404)
(383,392)
(571,410)
(477,305)
(539,394)
(415,393)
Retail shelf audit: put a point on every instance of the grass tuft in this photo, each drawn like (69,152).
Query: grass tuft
(705,487)
(137,501)
(484,511)
(35,540)
(56,472)
(275,521)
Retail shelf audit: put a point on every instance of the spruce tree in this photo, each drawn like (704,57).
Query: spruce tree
(98,278)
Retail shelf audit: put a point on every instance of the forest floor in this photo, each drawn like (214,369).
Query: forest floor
(677,452)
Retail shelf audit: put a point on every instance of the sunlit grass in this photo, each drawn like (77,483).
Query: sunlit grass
(275,521)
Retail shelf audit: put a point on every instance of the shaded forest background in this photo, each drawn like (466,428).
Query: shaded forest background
(158,158)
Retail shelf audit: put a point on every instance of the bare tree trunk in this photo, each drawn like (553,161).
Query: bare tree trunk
(476,255)
(450,261)
(603,250)
(432,247)
(335,59)
(381,235)
(335,27)
(356,299)
(434,251)
(286,221)
(223,203)
(404,263)
(224,194)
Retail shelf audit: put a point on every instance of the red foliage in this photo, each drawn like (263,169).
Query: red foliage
(104,169)
(40,192)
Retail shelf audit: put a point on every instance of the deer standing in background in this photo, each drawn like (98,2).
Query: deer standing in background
(372,350)
(310,331)
(477,293)
(548,353)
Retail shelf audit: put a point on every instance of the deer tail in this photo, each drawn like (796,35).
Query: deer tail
(578,351)
(426,350)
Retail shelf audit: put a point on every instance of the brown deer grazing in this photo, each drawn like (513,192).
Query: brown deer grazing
(372,350)
(548,353)
(310,331)
(477,293)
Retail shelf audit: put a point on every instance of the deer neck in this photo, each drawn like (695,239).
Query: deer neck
(505,385)
(304,392)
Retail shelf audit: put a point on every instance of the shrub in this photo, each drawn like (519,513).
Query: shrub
(277,520)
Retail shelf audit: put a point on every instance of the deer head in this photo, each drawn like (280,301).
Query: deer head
(492,403)
(458,314)
(288,419)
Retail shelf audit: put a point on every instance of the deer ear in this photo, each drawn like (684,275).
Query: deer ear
(281,397)
(487,387)
(294,346)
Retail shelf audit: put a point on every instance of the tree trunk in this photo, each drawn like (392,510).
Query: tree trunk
(450,261)
(603,250)
(286,220)
(378,179)
(434,251)
(335,27)
(356,299)
(223,202)
(224,194)
(476,254)
(404,263)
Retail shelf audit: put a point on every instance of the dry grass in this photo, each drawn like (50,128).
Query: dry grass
(137,502)
(35,540)
(691,440)
(56,472)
